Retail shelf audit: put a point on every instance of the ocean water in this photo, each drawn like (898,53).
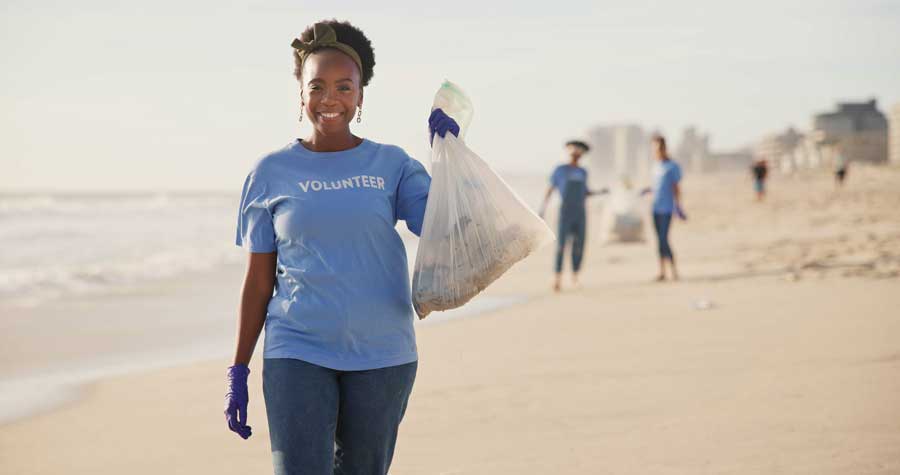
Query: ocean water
(67,245)
(63,245)
(56,249)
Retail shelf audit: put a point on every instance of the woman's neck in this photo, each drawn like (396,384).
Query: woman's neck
(331,143)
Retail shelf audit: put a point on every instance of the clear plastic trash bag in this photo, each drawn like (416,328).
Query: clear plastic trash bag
(622,219)
(475,226)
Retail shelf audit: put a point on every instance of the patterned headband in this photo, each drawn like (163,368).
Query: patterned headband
(324,37)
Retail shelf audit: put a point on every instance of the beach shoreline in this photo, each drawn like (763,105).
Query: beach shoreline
(35,379)
(776,353)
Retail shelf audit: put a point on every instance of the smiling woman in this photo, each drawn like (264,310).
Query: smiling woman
(331,84)
(328,275)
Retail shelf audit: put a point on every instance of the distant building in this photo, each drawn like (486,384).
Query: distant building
(782,150)
(894,142)
(693,151)
(774,146)
(619,151)
(859,128)
(730,161)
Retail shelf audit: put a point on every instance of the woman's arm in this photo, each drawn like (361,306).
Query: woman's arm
(255,295)
(546,199)
(676,192)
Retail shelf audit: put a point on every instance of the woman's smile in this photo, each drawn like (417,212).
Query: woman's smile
(330,116)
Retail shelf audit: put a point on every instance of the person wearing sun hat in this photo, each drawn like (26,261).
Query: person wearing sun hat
(571,181)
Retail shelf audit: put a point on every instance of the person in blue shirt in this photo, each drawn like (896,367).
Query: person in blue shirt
(327,273)
(666,202)
(572,183)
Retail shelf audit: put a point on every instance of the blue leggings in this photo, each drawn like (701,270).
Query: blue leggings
(661,222)
(571,224)
(329,422)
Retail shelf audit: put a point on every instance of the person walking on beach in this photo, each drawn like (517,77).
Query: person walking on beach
(760,171)
(841,164)
(571,181)
(666,202)
(327,273)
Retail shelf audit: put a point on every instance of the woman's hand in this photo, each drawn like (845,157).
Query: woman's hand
(441,123)
(680,212)
(236,399)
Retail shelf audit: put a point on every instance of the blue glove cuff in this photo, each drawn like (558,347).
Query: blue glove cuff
(238,372)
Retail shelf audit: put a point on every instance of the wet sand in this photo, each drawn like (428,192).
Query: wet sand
(777,352)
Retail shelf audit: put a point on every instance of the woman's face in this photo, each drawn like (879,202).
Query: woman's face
(659,150)
(331,90)
(575,152)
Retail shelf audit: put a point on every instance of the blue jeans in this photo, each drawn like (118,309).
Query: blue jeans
(661,222)
(329,422)
(572,223)
(759,185)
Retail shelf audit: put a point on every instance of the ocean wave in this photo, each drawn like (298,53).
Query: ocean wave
(30,286)
(77,203)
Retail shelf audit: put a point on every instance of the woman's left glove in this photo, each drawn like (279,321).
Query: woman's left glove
(441,123)
(236,399)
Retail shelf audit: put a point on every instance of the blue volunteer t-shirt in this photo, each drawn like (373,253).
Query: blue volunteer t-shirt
(666,174)
(342,294)
(571,181)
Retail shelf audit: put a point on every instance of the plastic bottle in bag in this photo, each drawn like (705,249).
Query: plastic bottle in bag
(455,103)
(475,226)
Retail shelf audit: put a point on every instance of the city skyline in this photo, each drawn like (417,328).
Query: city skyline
(176,96)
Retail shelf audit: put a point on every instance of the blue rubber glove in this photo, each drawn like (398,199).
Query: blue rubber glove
(680,213)
(441,123)
(236,399)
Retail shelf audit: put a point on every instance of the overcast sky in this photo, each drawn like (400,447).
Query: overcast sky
(182,95)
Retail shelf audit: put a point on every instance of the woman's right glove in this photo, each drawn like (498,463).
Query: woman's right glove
(236,399)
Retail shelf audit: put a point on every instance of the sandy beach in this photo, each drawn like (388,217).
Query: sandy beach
(777,352)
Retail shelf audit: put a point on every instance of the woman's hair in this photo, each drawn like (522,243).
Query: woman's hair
(661,140)
(579,144)
(350,36)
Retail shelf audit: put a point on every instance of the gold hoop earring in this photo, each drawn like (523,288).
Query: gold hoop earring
(359,116)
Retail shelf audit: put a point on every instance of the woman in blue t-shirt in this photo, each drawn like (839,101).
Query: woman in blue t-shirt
(666,202)
(327,273)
